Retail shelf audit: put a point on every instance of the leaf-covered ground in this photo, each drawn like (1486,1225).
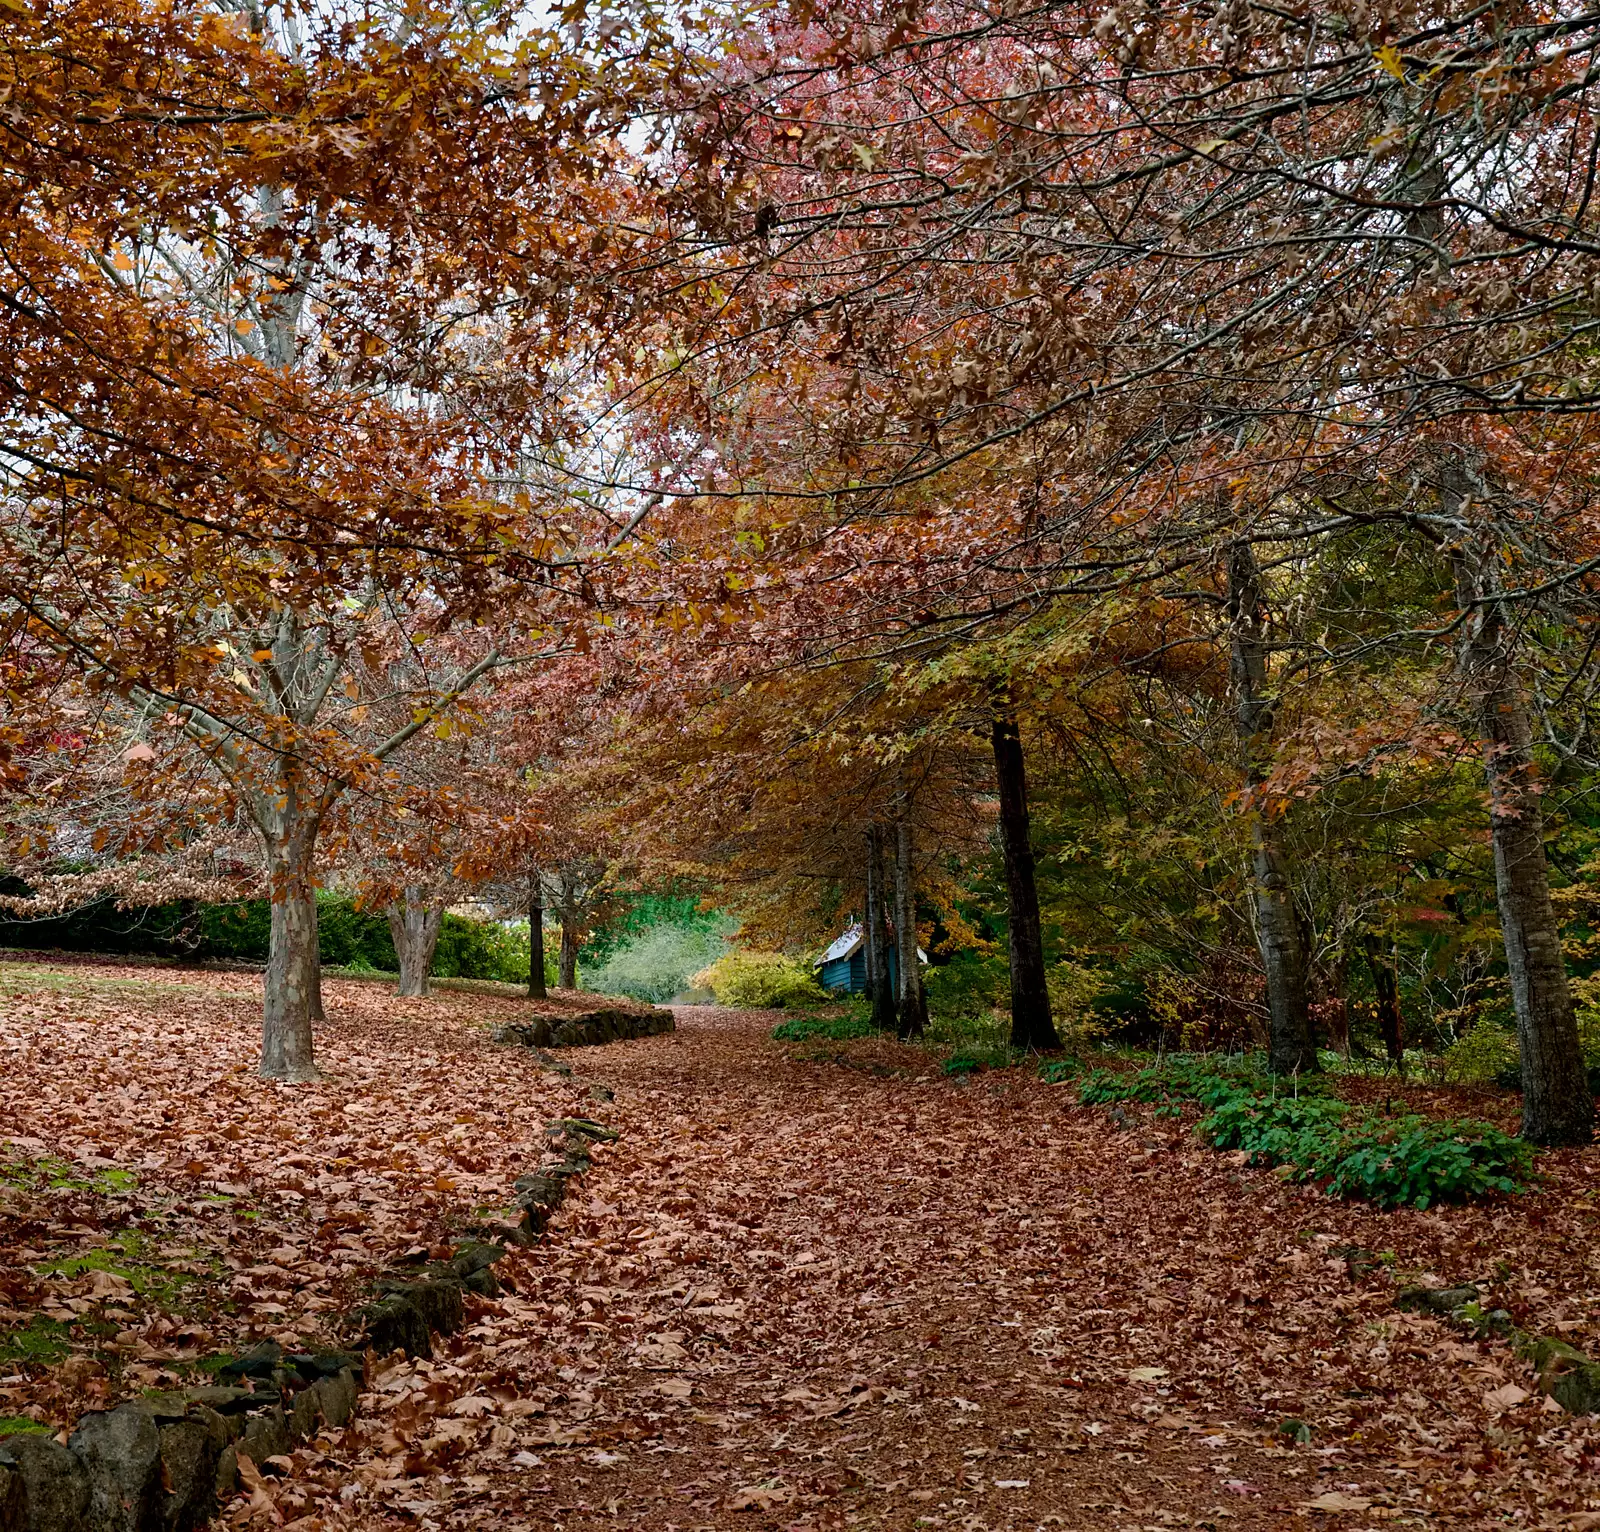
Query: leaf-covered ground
(811,1287)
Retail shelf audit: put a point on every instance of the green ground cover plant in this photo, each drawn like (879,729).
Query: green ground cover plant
(833,1028)
(1404,1161)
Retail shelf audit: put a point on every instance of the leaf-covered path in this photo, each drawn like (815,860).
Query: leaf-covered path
(816,1292)
(811,1286)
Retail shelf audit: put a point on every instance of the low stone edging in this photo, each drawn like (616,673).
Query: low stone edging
(1569,1376)
(167,1463)
(608,1024)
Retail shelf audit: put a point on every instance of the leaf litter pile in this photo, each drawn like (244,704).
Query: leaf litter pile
(804,1290)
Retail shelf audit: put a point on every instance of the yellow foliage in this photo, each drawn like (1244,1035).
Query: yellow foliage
(759,980)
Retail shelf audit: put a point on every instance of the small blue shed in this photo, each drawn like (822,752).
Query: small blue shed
(842,969)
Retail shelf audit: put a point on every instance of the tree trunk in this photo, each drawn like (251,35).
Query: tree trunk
(569,956)
(1557,1106)
(292,969)
(1386,990)
(869,920)
(414,923)
(885,1013)
(1291,1048)
(317,1013)
(536,989)
(1339,1003)
(913,999)
(1032,1026)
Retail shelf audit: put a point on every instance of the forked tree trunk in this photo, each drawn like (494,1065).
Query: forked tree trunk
(1032,1026)
(1386,991)
(913,999)
(1291,1048)
(293,973)
(885,1013)
(414,923)
(536,989)
(1557,1106)
(569,956)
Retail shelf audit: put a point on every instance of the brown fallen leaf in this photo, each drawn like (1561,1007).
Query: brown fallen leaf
(1338,1500)
(759,1497)
(473,1405)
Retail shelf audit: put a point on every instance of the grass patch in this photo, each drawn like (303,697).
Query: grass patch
(16,1425)
(22,979)
(120,1258)
(40,1342)
(1406,1161)
(50,1173)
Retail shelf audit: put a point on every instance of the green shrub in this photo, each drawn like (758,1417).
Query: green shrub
(657,963)
(241,931)
(834,1028)
(1286,1131)
(759,981)
(481,949)
(1489,1054)
(970,987)
(636,912)
(1076,990)
(346,936)
(1484,1054)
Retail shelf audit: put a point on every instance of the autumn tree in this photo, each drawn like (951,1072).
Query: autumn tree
(309,302)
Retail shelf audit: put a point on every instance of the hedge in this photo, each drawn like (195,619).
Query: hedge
(347,937)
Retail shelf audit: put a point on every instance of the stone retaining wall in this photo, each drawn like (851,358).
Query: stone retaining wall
(166,1463)
(608,1024)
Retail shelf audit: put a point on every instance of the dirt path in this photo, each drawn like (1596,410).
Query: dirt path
(805,1293)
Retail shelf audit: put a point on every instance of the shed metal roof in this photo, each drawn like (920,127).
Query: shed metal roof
(842,947)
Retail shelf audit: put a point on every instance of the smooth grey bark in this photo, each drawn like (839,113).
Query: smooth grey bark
(1032,1025)
(293,977)
(1291,1047)
(1557,1105)
(536,986)
(913,999)
(414,923)
(885,1012)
